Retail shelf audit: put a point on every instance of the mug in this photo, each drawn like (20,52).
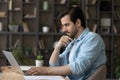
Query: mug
(45,29)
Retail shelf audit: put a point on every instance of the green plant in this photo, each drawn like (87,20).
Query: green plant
(18,52)
(39,57)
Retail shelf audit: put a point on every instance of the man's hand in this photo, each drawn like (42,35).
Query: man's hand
(60,70)
(64,41)
(37,71)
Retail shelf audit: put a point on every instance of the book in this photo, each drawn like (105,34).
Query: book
(63,1)
(93,1)
(25,27)
(35,12)
(117,14)
(87,14)
(10,4)
(114,15)
(114,29)
(94,27)
(34,51)
(41,44)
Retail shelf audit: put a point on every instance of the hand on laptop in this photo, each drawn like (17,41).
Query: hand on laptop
(37,71)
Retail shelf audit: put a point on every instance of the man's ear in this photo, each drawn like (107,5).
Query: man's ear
(78,22)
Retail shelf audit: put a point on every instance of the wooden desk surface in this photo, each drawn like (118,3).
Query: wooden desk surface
(8,74)
(11,76)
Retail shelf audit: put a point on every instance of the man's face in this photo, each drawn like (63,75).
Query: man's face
(68,27)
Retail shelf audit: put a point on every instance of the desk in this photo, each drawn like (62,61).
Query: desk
(7,74)
(11,76)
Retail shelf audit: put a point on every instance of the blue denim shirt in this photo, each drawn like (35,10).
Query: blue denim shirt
(89,54)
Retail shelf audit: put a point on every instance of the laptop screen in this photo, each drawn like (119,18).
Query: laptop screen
(12,60)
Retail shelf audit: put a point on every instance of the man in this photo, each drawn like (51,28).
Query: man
(84,53)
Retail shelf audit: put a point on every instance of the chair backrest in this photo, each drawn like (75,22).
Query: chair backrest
(99,74)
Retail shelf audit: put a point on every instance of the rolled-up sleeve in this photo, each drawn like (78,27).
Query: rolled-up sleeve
(61,60)
(55,64)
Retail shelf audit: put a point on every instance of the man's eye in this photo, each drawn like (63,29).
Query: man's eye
(66,24)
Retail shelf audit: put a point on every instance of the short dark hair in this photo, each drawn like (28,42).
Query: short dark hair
(74,13)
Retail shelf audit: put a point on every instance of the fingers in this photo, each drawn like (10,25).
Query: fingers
(35,73)
(32,71)
(65,40)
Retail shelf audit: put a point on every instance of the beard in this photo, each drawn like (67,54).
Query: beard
(72,34)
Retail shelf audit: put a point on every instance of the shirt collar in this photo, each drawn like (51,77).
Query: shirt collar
(79,38)
(84,33)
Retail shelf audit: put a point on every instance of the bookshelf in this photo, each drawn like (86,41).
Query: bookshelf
(102,17)
(22,13)
(31,17)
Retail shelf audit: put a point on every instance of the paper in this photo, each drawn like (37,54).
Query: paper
(43,78)
(24,68)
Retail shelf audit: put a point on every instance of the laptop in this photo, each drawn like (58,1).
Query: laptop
(13,62)
(20,69)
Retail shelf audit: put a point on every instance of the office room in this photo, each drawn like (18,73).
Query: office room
(30,30)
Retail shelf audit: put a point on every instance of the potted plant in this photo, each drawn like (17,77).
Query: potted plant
(39,61)
(13,27)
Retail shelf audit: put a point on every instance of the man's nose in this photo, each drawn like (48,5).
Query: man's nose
(64,29)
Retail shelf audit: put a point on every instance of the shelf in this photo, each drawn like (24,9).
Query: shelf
(60,5)
(91,5)
(50,34)
(30,17)
(3,3)
(29,3)
(21,32)
(92,19)
(43,11)
(2,17)
(107,34)
(105,12)
(15,10)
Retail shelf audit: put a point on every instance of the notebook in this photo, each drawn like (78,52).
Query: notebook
(13,62)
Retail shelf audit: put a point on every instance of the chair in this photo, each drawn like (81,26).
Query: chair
(99,74)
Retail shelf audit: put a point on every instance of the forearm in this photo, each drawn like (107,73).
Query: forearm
(61,70)
(55,55)
(64,41)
